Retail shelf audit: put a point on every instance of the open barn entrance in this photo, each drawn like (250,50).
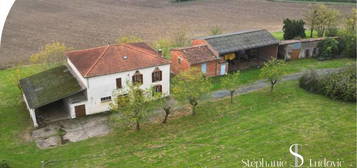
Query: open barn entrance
(52,112)
(246,59)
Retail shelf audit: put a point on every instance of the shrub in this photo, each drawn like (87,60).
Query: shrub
(328,49)
(339,85)
(293,29)
(3,164)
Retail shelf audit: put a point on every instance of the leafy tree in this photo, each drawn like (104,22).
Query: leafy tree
(310,18)
(129,39)
(3,164)
(165,46)
(216,30)
(350,25)
(328,49)
(189,86)
(52,53)
(348,36)
(273,70)
(230,82)
(327,19)
(167,105)
(134,104)
(293,29)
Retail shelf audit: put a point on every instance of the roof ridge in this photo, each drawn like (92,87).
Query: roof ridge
(189,47)
(228,34)
(96,61)
(80,50)
(143,51)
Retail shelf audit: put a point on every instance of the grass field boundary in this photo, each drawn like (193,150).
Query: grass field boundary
(315,2)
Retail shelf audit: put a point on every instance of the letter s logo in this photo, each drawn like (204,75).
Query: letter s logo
(297,156)
(5,6)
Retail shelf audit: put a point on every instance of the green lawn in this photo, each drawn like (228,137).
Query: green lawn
(259,125)
(280,35)
(251,75)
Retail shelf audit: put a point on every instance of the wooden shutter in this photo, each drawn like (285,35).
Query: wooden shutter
(118,82)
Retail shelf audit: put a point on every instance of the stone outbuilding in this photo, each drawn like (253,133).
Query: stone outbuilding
(297,49)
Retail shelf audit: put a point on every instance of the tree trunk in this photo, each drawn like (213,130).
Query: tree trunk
(311,31)
(167,113)
(137,125)
(194,109)
(273,82)
(193,103)
(232,93)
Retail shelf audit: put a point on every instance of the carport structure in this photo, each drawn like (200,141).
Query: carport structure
(242,50)
(44,93)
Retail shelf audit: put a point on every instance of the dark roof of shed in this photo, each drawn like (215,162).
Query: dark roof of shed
(227,43)
(197,54)
(49,86)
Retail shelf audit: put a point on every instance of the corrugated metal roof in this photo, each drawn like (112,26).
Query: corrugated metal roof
(227,43)
(49,86)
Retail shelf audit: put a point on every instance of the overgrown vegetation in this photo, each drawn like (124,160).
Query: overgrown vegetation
(50,55)
(339,85)
(328,49)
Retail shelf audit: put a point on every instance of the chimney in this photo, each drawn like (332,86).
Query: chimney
(159,52)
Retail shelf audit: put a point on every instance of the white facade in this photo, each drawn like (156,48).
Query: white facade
(98,87)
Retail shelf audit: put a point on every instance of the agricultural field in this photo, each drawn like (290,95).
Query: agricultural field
(220,135)
(90,23)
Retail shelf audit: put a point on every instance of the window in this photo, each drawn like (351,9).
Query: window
(137,78)
(118,83)
(105,99)
(179,60)
(204,68)
(157,89)
(156,75)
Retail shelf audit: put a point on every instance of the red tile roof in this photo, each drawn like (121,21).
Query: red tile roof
(115,58)
(197,54)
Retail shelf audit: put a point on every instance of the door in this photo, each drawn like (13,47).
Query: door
(223,69)
(80,110)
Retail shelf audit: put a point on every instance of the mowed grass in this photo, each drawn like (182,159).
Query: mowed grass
(258,125)
(251,75)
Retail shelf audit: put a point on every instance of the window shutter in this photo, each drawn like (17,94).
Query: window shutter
(160,75)
(141,79)
(153,76)
(118,82)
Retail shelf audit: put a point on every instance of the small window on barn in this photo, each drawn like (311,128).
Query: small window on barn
(157,89)
(106,99)
(204,68)
(137,78)
(179,60)
(118,83)
(156,75)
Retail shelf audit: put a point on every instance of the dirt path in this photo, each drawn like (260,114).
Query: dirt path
(89,23)
(260,84)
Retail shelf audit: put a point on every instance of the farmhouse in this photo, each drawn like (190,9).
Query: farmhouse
(91,79)
(297,49)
